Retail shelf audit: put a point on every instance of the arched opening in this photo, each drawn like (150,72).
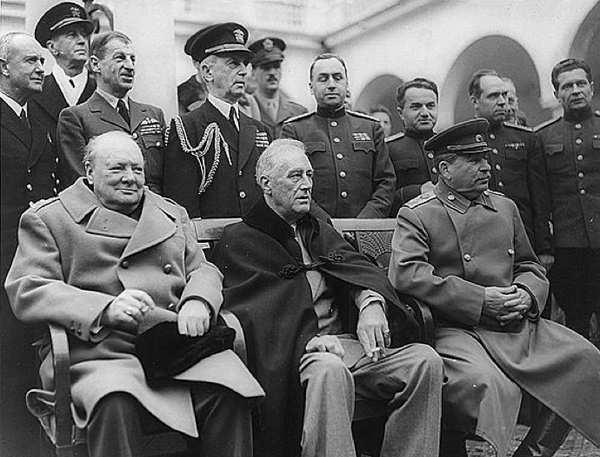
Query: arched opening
(508,58)
(381,91)
(586,46)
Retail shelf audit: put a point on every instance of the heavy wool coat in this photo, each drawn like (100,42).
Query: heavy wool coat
(266,287)
(446,250)
(74,257)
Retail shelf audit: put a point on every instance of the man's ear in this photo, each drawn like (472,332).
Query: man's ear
(206,72)
(94,64)
(474,102)
(4,67)
(592,87)
(51,48)
(444,170)
(400,113)
(265,185)
(88,171)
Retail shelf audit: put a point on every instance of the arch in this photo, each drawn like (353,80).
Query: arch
(508,58)
(381,91)
(586,45)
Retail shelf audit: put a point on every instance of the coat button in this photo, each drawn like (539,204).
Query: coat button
(578,126)
(29,187)
(168,268)
(242,194)
(336,140)
(171,306)
(582,191)
(125,264)
(492,136)
(342,174)
(511,251)
(334,123)
(135,136)
(240,173)
(340,156)
(494,151)
(434,170)
(467,257)
(498,167)
(451,197)
(430,155)
(578,141)
(344,194)
(580,157)
(158,144)
(580,175)
(500,184)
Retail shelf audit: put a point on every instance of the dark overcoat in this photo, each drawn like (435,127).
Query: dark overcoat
(286,110)
(78,124)
(265,285)
(231,188)
(75,256)
(446,250)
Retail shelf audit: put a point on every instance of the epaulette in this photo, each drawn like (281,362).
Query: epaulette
(495,192)
(545,124)
(395,136)
(298,117)
(363,115)
(42,203)
(518,127)
(420,200)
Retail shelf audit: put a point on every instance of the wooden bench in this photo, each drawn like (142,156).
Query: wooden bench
(372,237)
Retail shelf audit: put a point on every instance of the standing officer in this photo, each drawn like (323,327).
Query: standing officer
(275,106)
(212,151)
(28,172)
(418,109)
(64,30)
(571,146)
(110,108)
(354,176)
(516,161)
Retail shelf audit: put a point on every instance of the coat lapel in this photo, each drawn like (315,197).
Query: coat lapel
(137,114)
(247,139)
(99,106)
(88,90)
(52,99)
(12,125)
(40,139)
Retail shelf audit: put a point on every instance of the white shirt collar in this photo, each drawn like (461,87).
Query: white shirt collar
(111,99)
(223,106)
(13,104)
(71,94)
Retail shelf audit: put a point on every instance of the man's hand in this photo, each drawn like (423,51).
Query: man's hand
(427,187)
(506,304)
(326,343)
(127,310)
(194,318)
(373,331)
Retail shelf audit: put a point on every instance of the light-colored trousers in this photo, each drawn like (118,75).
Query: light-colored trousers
(408,378)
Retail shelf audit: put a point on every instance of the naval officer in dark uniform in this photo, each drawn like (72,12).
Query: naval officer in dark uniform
(415,172)
(571,146)
(354,176)
(516,161)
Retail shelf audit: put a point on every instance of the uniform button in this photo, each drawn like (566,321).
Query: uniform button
(158,144)
(51,174)
(171,306)
(511,251)
(578,141)
(434,170)
(79,332)
(135,136)
(580,175)
(580,157)
(31,204)
(29,172)
(340,156)
(58,182)
(336,140)
(582,191)
(344,194)
(500,184)
(242,194)
(29,187)
(240,173)
(55,191)
(467,257)
(430,155)
(492,136)
(333,123)
(578,126)
(125,264)
(56,159)
(498,167)
(494,151)
(451,197)
(168,268)
(342,174)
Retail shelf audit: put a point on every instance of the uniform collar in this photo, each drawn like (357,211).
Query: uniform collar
(457,201)
(223,106)
(331,113)
(112,100)
(574,116)
(419,135)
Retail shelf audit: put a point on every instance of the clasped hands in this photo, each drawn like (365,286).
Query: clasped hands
(372,330)
(128,309)
(506,304)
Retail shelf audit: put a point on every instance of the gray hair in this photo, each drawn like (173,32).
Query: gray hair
(97,144)
(268,160)
(6,43)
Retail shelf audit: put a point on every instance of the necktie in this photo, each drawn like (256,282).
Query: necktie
(233,117)
(122,110)
(24,119)
(72,83)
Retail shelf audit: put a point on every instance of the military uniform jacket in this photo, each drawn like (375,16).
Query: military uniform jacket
(571,151)
(518,172)
(287,109)
(78,124)
(230,188)
(446,250)
(51,101)
(353,174)
(413,166)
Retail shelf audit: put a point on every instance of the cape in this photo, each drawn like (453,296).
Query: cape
(265,286)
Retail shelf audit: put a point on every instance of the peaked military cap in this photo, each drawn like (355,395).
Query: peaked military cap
(216,39)
(462,138)
(267,50)
(60,16)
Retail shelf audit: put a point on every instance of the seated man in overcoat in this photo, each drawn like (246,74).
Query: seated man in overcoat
(463,250)
(104,259)
(323,326)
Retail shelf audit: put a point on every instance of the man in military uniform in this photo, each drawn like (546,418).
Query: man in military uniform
(418,109)
(65,31)
(354,176)
(29,165)
(212,151)
(571,151)
(384,116)
(463,250)
(514,115)
(516,160)
(111,108)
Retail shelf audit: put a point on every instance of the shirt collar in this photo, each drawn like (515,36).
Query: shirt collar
(70,93)
(111,99)
(223,106)
(13,104)
(459,202)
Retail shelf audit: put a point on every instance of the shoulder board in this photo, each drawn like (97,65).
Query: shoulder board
(363,115)
(518,127)
(420,199)
(42,203)
(298,117)
(395,136)
(597,112)
(539,127)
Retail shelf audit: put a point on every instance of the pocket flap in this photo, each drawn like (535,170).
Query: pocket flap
(363,145)
(552,149)
(318,146)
